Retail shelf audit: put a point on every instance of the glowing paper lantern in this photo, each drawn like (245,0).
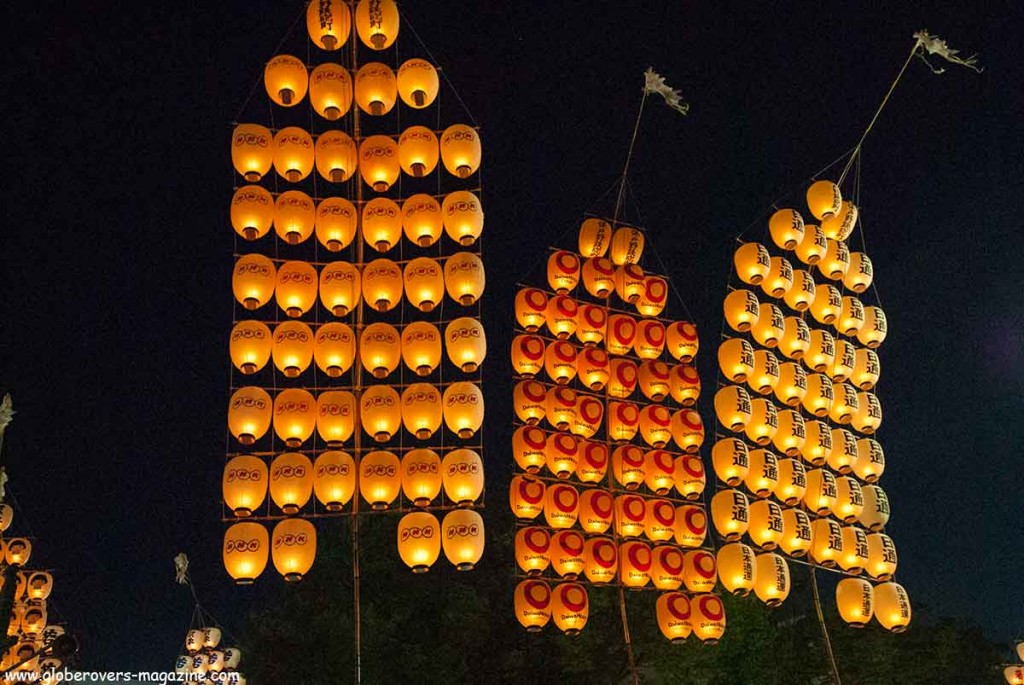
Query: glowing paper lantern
(245,551)
(875,327)
(689,476)
(419,540)
(598,276)
(812,246)
(796,338)
(822,492)
(250,346)
(732,406)
(563,271)
(822,351)
(591,322)
(635,559)
(252,212)
(730,459)
(252,151)
(842,363)
(786,227)
(765,373)
(870,460)
(681,340)
(826,305)
(690,526)
(295,290)
(772,586)
(253,280)
(860,273)
(382,284)
(649,342)
(763,473)
(824,199)
(627,246)
(737,568)
(244,485)
(855,599)
(561,505)
(336,411)
(791,434)
(378,162)
(730,514)
(779,279)
(377,23)
(291,481)
(294,416)
(561,453)
(751,262)
(659,471)
(801,294)
(589,416)
(463,216)
(769,326)
(817,448)
(792,481)
(628,464)
(791,387)
(421,409)
(334,479)
(462,532)
(464,277)
(654,297)
(417,151)
(623,421)
(380,412)
(533,604)
(292,348)
(660,523)
(340,287)
(424,283)
(736,359)
(532,550)
(851,316)
(836,261)
(840,225)
(622,378)
(630,283)
(882,558)
(293,548)
(593,464)
(380,349)
(561,409)
(845,404)
(334,348)
(462,475)
(463,408)
(797,535)
(674,616)
(460,150)
(844,451)
(567,548)
(418,83)
(421,219)
(866,369)
(466,343)
(741,310)
(336,157)
(560,362)
(630,515)
(570,607)
(655,425)
(330,90)
(687,430)
(328,23)
(596,510)
(380,477)
(765,421)
(421,347)
(708,618)
(249,414)
(293,153)
(876,508)
(286,80)
(529,399)
(765,528)
(382,223)
(855,550)
(892,607)
(867,417)
(828,542)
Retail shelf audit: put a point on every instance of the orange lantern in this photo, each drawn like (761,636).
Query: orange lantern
(730,514)
(463,216)
(770,325)
(293,153)
(462,538)
(252,151)
(732,406)
(821,354)
(851,316)
(561,408)
(841,224)
(741,310)
(601,560)
(335,226)
(421,347)
(827,303)
(382,223)
(245,551)
(765,529)
(892,607)
(253,280)
(866,369)
(532,549)
(687,430)
(681,341)
(598,276)
(340,287)
(674,616)
(736,359)
(855,550)
(649,341)
(252,212)
(328,23)
(567,547)
(737,568)
(792,481)
(791,434)
(561,316)
(561,505)
(330,90)
(419,541)
(466,343)
(622,378)
(560,362)
(801,293)
(827,547)
(570,607)
(464,277)
(689,476)
(380,477)
(630,283)
(791,388)
(796,338)
(731,461)
(589,415)
(380,349)
(842,363)
(591,323)
(250,346)
(684,384)
(244,485)
(594,237)
(531,307)
(751,262)
(779,279)
(592,365)
(797,535)
(528,448)
(292,348)
(811,248)
(417,151)
(708,618)
(623,421)
(836,261)
(336,156)
(765,422)
(822,492)
(772,586)
(855,599)
(561,453)
(628,466)
(824,199)
(533,604)
(462,475)
(249,414)
(377,23)
(691,526)
(294,416)
(765,374)
(786,227)
(655,425)
(334,348)
(817,447)
(635,560)
(376,88)
(421,219)
(463,408)
(334,479)
(845,404)
(654,298)
(380,412)
(378,162)
(667,567)
(627,245)
(875,327)
(659,471)
(596,510)
(460,150)
(820,395)
(593,463)
(763,474)
(882,559)
(876,508)
(296,287)
(421,409)
(294,216)
(293,548)
(563,271)
(700,570)
(418,83)
(630,515)
(867,417)
(291,481)
(424,283)
(530,401)
(844,451)
(382,284)
(849,499)
(870,460)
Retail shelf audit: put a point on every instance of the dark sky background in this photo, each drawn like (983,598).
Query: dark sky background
(116,300)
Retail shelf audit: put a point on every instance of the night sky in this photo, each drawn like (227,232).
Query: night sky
(116,301)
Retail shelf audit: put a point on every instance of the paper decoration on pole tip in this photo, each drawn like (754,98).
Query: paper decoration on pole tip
(6,412)
(3,483)
(934,45)
(655,83)
(181,569)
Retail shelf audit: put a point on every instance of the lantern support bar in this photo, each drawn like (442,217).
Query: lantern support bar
(824,629)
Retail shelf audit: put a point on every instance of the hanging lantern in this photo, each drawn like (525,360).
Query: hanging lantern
(689,476)
(791,434)
(772,586)
(691,526)
(708,618)
(797,535)
(592,365)
(245,552)
(623,421)
(851,316)
(870,460)
(334,479)
(736,359)
(249,414)
(252,212)
(764,374)
(296,286)
(681,340)
(855,599)
(741,310)
(598,276)
(335,226)
(700,570)
(328,23)
(627,246)
(684,384)
(601,560)
(417,151)
(652,301)
(849,500)
(667,567)
(462,473)
(844,451)
(294,416)
(421,347)
(421,410)
(463,538)
(529,399)
(528,355)
(763,473)
(421,219)
(466,343)
(293,548)
(380,476)
(594,237)
(867,417)
(463,216)
(419,540)
(769,326)
(376,88)
(591,322)
(649,341)
(765,528)
(380,349)
(801,294)
(533,604)
(630,515)
(567,554)
(732,406)
(532,549)
(840,225)
(463,408)
(792,385)
(765,422)
(531,307)
(786,227)
(382,223)
(340,287)
(828,541)
(561,453)
(882,559)
(561,505)
(660,523)
(824,199)
(655,425)
(842,363)
(836,261)
(526,497)
(291,482)
(377,23)
(561,408)
(460,150)
(253,280)
(382,284)
(596,510)
(860,273)
(589,415)
(560,362)
(378,162)
(659,471)
(418,83)
(252,151)
(792,481)
(811,248)
(796,338)
(334,348)
(866,369)
(622,378)
(687,430)
(528,448)
(570,607)
(730,514)
(628,466)
(855,550)
(826,305)
(250,346)
(630,283)
(820,394)
(336,158)
(674,616)
(593,463)
(292,348)
(845,404)
(876,508)
(822,492)
(1014,675)
(424,283)
(817,448)
(892,607)
(737,568)
(293,153)
(821,353)
(244,485)
(635,560)
(779,279)
(872,333)
(731,461)
(563,271)
(464,278)
(751,261)
(330,90)
(39,585)
(380,412)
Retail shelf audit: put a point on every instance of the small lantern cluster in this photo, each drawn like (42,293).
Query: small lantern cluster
(203,656)
(798,461)
(357,340)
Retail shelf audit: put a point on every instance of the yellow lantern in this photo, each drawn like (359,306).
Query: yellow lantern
(563,271)
(294,416)
(244,485)
(622,378)
(593,464)
(623,421)
(792,481)
(765,373)
(687,430)
(376,88)
(882,559)
(382,224)
(377,23)
(674,616)
(741,310)
(667,567)
(531,307)
(842,363)
(822,492)
(336,157)
(380,349)
(296,287)
(417,151)
(533,604)
(836,261)
(827,547)
(334,348)
(252,212)
(570,607)
(378,162)
(591,322)
(751,261)
(630,283)
(292,348)
(291,482)
(462,475)
(294,216)
(820,395)
(779,279)
(866,369)
(424,283)
(796,338)
(293,153)
(567,547)
(763,473)
(252,151)
(635,559)
(589,415)
(822,351)
(691,526)
(849,500)
(649,341)
(529,399)
(660,523)
(855,599)
(421,409)
(630,515)
(730,514)
(845,404)
(851,316)
(463,408)
(732,406)
(860,273)
(559,361)
(689,476)
(765,528)
(335,226)
(827,303)
(380,412)
(328,23)
(334,479)
(654,298)
(681,341)
(250,346)
(797,535)
(769,326)
(594,237)
(419,540)
(561,410)
(892,607)
(772,586)
(592,365)
(245,551)
(464,277)
(421,347)
(867,417)
(421,219)
(790,435)
(792,385)
(253,280)
(765,422)
(700,571)
(380,476)
(824,199)
(249,414)
(736,359)
(596,510)
(627,246)
(286,80)
(418,83)
(656,425)
(840,225)
(382,284)
(460,150)
(876,508)
(659,471)
(463,216)
(340,287)
(629,466)
(1014,675)
(855,550)
(466,343)
(532,549)
(598,276)
(528,448)
(561,454)
(463,538)
(561,505)
(708,618)
(330,90)
(737,568)
(786,227)
(801,294)
(872,333)
(293,548)
(844,451)
(812,247)
(817,447)
(870,460)
(684,384)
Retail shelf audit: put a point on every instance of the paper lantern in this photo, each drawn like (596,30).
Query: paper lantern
(570,607)
(567,548)
(817,447)
(764,374)
(812,246)
(751,262)
(667,567)
(630,283)
(660,523)
(464,278)
(870,460)
(559,361)
(791,387)
(589,415)
(772,586)
(598,276)
(330,90)
(769,326)
(845,404)
(882,559)
(420,347)
(827,547)
(741,310)
(700,571)
(596,510)
(855,550)
(791,434)
(380,412)
(563,271)
(687,430)
(244,485)
(623,378)
(681,340)
(860,274)
(779,279)
(417,151)
(635,559)
(630,515)
(622,333)
(382,224)
(377,23)
(419,540)
(462,538)
(530,401)
(380,476)
(765,421)
(293,548)
(876,508)
(797,535)
(292,348)
(851,316)
(293,153)
(824,199)
(867,417)
(866,369)
(291,482)
(334,348)
(849,500)
(628,466)
(765,528)
(295,290)
(801,294)
(531,307)
(334,479)
(655,425)
(822,492)
(737,568)
(649,342)
(786,227)
(736,359)
(252,151)
(820,395)
(335,226)
(691,526)
(382,284)
(532,550)
(528,448)
(593,463)
(463,408)
(376,88)
(842,362)
(340,287)
(855,600)
(795,339)
(674,616)
(730,459)
(875,327)
(245,551)
(763,473)
(460,150)
(892,607)
(253,280)
(336,159)
(689,476)
(841,224)
(561,505)
(844,451)
(836,261)
(561,453)
(561,408)
(421,219)
(249,414)
(627,246)
(380,349)
(730,514)
(418,83)
(378,162)
(623,421)
(466,343)
(822,351)
(424,283)
(526,497)
(732,406)
(328,23)
(533,604)
(462,475)
(252,212)
(39,585)
(1014,675)
(591,322)
(659,471)
(294,416)
(463,216)
(594,237)
(792,481)
(826,305)
(708,618)
(250,346)
(654,297)
(421,409)
(592,367)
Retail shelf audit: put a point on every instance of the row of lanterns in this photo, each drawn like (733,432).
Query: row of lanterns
(334,478)
(294,346)
(293,154)
(295,216)
(295,413)
(381,283)
(329,23)
(205,657)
